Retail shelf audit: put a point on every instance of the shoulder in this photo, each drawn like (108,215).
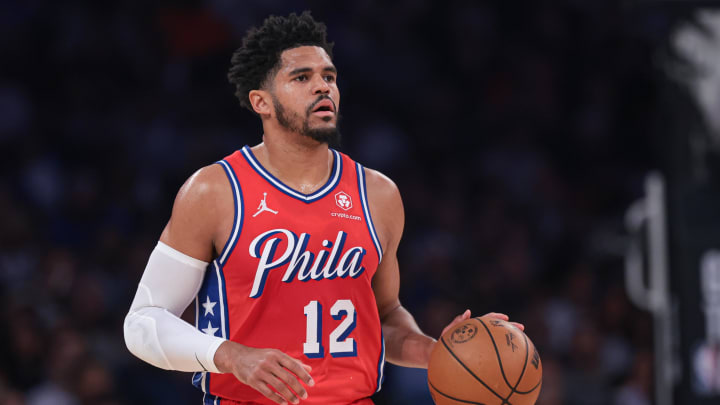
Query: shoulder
(382,188)
(203,186)
(199,213)
(386,207)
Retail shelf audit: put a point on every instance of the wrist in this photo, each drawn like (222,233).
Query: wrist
(428,346)
(429,349)
(416,350)
(223,356)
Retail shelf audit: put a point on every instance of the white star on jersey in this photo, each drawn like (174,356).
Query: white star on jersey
(210,330)
(209,305)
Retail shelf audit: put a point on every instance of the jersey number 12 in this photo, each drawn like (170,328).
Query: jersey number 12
(340,344)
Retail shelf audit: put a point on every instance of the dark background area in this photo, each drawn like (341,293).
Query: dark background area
(517,132)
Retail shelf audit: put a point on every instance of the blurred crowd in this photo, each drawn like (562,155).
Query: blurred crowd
(518,135)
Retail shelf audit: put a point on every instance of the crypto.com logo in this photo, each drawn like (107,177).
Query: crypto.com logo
(343,200)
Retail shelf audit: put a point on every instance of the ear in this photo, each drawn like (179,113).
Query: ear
(261,102)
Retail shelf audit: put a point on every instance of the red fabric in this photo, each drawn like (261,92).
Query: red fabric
(276,318)
(364,401)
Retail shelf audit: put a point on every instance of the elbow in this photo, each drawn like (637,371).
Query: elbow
(134,334)
(129,334)
(141,339)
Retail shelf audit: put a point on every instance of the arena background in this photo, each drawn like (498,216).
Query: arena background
(519,133)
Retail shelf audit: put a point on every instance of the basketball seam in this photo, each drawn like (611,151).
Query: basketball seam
(497,353)
(442,339)
(531,390)
(522,373)
(451,397)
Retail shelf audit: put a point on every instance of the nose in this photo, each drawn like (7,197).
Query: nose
(320,86)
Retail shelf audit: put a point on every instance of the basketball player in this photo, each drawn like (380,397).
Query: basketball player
(288,249)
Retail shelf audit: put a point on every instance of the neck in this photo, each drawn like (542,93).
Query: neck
(302,163)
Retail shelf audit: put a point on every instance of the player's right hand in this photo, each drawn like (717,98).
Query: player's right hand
(265,368)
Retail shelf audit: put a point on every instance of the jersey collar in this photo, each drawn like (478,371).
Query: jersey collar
(333,180)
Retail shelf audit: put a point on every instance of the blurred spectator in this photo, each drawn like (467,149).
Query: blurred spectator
(637,389)
(516,137)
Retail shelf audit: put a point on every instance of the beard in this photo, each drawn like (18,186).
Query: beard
(295,123)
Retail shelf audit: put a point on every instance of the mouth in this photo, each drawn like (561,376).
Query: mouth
(324,108)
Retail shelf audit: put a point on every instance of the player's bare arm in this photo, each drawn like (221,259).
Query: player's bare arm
(406,345)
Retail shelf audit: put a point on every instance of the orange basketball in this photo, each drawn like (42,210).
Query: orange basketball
(484,361)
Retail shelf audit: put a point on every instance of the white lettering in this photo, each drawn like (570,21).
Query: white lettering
(300,263)
(354,267)
(267,255)
(346,216)
(300,259)
(330,269)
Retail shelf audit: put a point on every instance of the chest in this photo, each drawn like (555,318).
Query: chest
(284,240)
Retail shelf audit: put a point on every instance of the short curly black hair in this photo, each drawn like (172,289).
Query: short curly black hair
(258,59)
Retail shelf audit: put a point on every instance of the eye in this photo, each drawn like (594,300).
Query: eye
(301,78)
(330,78)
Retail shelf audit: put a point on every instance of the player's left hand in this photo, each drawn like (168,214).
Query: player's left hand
(466,315)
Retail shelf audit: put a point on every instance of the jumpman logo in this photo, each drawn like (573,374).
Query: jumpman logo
(263,207)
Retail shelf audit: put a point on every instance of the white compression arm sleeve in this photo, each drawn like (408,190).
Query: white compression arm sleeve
(153,330)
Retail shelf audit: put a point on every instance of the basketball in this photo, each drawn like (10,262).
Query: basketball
(484,361)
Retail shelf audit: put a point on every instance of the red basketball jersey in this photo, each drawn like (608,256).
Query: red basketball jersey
(295,275)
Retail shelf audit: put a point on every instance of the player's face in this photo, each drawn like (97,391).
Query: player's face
(305,94)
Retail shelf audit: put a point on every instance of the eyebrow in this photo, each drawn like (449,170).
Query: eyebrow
(307,69)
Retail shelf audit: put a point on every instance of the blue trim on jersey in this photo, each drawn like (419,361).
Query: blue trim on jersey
(333,180)
(201,381)
(239,213)
(222,293)
(381,364)
(213,290)
(197,377)
(206,390)
(209,399)
(366,209)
